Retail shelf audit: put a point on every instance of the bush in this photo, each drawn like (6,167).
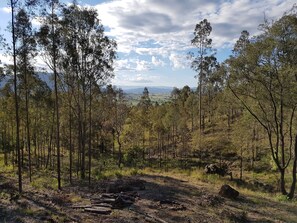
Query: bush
(134,157)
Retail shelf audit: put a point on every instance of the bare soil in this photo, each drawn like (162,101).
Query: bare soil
(165,199)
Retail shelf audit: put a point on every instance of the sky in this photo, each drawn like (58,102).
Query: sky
(154,36)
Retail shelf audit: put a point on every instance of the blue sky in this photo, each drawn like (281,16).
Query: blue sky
(154,36)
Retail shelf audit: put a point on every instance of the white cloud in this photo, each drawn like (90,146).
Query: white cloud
(5,59)
(140,78)
(36,22)
(171,23)
(136,79)
(123,65)
(6,9)
(131,64)
(137,65)
(157,62)
(149,33)
(142,65)
(178,61)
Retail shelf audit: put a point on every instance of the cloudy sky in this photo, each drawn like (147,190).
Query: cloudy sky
(153,36)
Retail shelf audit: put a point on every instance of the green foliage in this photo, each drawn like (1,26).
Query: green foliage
(282,198)
(134,157)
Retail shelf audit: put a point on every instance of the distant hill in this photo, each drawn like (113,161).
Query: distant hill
(46,77)
(152,90)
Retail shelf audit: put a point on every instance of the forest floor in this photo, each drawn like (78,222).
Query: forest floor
(165,198)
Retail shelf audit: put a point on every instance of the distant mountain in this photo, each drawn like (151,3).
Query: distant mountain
(152,90)
(46,77)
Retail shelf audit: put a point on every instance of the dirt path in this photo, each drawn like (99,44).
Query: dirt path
(164,199)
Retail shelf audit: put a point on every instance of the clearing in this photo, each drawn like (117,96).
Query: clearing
(148,197)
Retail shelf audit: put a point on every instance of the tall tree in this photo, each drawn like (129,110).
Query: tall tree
(263,78)
(13,4)
(90,54)
(49,40)
(202,41)
(25,53)
(144,105)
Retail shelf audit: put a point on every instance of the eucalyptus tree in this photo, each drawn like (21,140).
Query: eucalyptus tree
(26,51)
(13,6)
(49,40)
(241,43)
(199,64)
(212,81)
(90,54)
(263,78)
(144,106)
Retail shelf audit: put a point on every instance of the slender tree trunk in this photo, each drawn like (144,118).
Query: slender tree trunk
(90,132)
(54,48)
(192,117)
(4,142)
(22,145)
(83,136)
(120,150)
(70,143)
(241,162)
(79,139)
(28,127)
(282,182)
(294,172)
(16,98)
(28,122)
(49,153)
(200,101)
(113,144)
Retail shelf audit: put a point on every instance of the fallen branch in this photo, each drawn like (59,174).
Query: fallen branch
(149,217)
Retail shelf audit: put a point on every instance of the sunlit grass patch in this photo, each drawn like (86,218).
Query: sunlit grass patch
(45,179)
(115,173)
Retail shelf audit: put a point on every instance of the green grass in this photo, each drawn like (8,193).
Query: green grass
(45,179)
(115,173)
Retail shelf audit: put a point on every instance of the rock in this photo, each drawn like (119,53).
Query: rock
(228,192)
(214,169)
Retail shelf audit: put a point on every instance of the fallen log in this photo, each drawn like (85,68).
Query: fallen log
(104,205)
(98,210)
(81,206)
(104,200)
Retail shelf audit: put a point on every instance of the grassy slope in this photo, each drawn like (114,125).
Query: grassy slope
(192,189)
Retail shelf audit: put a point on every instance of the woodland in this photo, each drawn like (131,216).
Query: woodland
(78,131)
